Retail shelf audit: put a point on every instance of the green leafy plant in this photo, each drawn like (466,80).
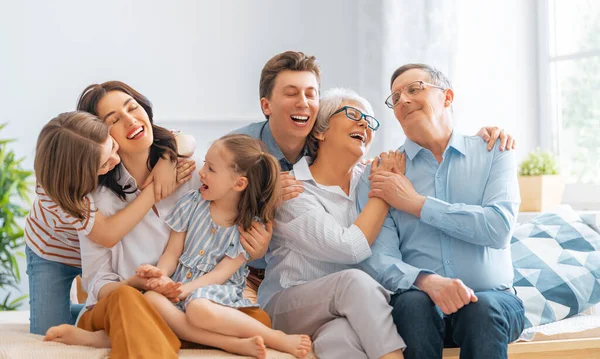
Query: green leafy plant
(539,163)
(14,187)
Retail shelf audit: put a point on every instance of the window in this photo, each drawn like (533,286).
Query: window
(569,63)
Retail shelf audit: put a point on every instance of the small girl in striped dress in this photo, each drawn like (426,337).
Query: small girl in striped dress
(240,182)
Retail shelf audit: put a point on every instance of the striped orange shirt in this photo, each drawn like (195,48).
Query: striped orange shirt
(53,234)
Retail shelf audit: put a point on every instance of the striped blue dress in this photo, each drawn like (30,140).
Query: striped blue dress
(206,244)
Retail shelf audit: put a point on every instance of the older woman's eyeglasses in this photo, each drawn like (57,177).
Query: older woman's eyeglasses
(410,90)
(356,115)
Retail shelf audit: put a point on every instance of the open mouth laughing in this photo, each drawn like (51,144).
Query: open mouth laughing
(136,133)
(358,136)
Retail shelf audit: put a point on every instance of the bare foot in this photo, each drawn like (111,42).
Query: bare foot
(297,345)
(69,334)
(254,347)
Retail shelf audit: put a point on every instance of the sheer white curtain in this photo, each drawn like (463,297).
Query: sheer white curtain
(393,33)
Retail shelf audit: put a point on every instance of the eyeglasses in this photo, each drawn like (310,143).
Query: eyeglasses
(410,90)
(355,115)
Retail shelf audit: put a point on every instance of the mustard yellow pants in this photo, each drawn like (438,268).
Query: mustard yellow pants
(134,327)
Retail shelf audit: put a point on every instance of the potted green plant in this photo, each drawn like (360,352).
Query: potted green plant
(14,188)
(540,184)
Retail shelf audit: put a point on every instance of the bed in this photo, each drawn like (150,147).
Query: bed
(575,338)
(17,343)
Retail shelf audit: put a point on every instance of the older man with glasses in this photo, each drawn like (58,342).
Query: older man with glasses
(444,249)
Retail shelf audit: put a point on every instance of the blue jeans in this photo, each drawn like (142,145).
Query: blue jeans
(49,289)
(481,330)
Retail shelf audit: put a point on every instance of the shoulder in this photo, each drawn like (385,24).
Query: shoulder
(476,145)
(252,130)
(306,201)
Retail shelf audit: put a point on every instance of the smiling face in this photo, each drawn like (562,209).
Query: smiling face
(109,157)
(128,122)
(293,105)
(423,110)
(218,178)
(345,136)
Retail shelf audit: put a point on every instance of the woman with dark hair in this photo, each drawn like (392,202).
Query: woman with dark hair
(117,315)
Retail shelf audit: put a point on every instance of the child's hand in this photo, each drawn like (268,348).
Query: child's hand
(165,286)
(185,168)
(163,177)
(185,292)
(290,187)
(148,271)
(256,239)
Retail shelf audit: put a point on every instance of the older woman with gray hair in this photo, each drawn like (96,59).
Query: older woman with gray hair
(310,285)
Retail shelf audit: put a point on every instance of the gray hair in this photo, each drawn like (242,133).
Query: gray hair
(331,101)
(435,76)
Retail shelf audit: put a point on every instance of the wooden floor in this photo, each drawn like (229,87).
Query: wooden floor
(588,348)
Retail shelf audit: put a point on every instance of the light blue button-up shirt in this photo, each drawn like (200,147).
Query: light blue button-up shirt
(262,131)
(466,222)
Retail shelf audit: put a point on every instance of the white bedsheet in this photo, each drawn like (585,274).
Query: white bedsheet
(17,343)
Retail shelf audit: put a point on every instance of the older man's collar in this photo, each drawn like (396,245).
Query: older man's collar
(457,141)
(411,148)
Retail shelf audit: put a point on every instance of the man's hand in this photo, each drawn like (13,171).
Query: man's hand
(290,187)
(148,271)
(447,293)
(397,191)
(185,168)
(391,161)
(256,239)
(165,286)
(491,134)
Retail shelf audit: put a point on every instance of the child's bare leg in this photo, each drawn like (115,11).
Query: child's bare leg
(178,322)
(229,321)
(70,334)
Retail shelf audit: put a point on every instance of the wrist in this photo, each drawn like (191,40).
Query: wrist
(417,204)
(423,280)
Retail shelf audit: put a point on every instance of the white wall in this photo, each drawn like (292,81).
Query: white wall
(196,60)
(199,62)
(495,77)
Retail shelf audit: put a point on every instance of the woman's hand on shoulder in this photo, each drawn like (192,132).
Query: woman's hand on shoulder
(492,133)
(256,239)
(391,161)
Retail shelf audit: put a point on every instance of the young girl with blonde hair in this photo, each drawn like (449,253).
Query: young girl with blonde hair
(239,183)
(72,151)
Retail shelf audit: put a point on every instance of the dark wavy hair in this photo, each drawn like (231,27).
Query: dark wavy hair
(163,146)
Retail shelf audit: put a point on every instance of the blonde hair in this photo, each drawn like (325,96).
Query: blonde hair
(67,159)
(261,195)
